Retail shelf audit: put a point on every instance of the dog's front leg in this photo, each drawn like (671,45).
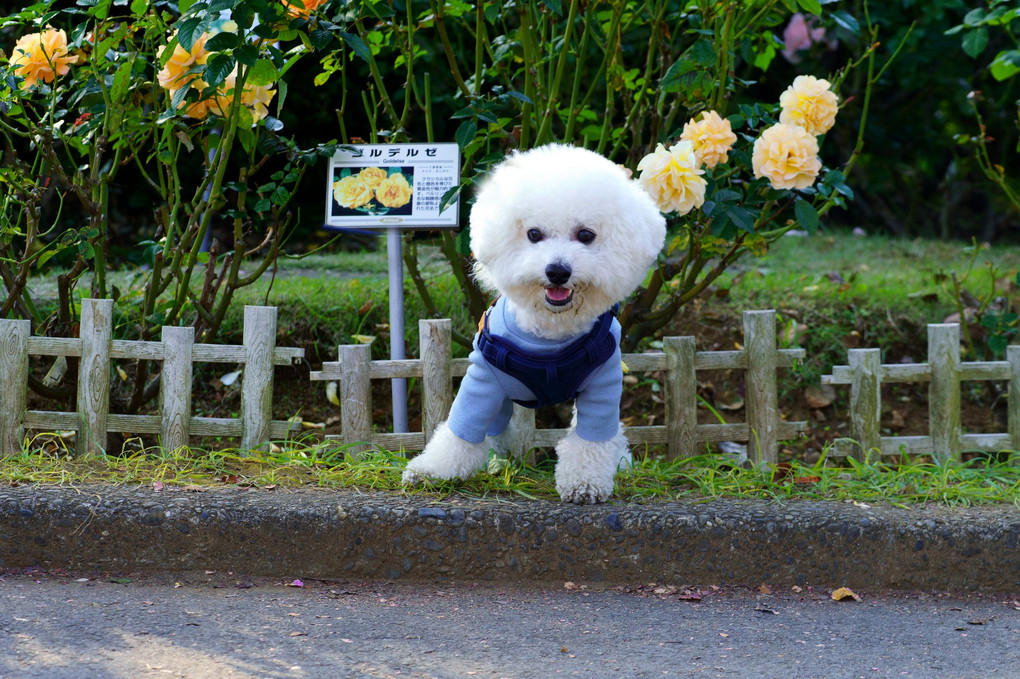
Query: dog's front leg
(585,469)
(446,456)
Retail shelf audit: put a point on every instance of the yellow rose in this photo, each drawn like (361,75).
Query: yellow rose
(42,56)
(304,9)
(174,75)
(809,103)
(673,177)
(394,191)
(256,98)
(712,137)
(196,109)
(373,176)
(351,192)
(787,155)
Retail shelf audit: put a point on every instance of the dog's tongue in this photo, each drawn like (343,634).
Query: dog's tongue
(557,294)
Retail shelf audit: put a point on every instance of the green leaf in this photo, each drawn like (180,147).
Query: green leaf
(813,6)
(1005,65)
(807,215)
(703,53)
(450,197)
(975,17)
(224,40)
(743,218)
(975,41)
(122,79)
(246,54)
(357,45)
(465,133)
(554,5)
(189,31)
(262,73)
(673,75)
(218,68)
(280,196)
(320,38)
(847,21)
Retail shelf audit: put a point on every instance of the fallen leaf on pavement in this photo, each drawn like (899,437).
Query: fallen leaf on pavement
(844,594)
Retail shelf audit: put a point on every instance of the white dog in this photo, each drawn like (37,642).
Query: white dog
(562,234)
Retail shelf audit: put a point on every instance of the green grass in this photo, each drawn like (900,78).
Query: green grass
(889,273)
(703,478)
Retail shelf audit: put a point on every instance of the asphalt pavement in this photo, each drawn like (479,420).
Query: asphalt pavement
(67,625)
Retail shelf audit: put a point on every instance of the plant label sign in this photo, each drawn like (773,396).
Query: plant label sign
(397,186)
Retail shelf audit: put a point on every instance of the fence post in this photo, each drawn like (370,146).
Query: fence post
(436,382)
(865,400)
(355,396)
(94,375)
(257,385)
(13,382)
(944,390)
(761,396)
(1013,356)
(521,432)
(681,394)
(175,386)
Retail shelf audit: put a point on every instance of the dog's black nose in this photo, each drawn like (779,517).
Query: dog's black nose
(557,273)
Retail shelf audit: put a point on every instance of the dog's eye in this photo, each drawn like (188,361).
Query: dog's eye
(534,235)
(585,236)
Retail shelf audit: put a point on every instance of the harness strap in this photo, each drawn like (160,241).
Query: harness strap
(555,377)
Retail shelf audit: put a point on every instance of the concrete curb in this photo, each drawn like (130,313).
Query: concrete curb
(335,534)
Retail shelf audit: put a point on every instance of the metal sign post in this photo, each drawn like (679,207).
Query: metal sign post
(396,187)
(398,386)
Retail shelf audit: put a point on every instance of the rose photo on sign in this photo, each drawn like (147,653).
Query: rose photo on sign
(372,191)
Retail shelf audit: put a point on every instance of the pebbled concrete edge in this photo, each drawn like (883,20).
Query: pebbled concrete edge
(331,534)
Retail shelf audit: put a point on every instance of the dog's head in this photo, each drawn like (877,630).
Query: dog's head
(563,234)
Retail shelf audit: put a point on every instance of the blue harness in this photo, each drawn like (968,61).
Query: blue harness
(552,378)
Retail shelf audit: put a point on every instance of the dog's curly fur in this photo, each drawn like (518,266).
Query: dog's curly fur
(573,209)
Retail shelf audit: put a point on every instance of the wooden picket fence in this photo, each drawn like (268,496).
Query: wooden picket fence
(944,371)
(679,362)
(95,347)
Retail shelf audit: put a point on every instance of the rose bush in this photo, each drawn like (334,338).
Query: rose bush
(745,194)
(181,99)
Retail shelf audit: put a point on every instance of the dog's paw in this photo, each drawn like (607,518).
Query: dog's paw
(412,477)
(585,469)
(445,457)
(584,492)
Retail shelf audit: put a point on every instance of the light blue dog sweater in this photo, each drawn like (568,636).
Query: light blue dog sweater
(484,402)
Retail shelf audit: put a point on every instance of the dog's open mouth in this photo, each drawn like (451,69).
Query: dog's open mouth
(558,296)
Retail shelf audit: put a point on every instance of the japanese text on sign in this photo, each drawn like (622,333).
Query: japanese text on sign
(392,186)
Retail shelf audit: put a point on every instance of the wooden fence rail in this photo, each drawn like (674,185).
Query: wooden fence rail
(679,361)
(944,371)
(177,350)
